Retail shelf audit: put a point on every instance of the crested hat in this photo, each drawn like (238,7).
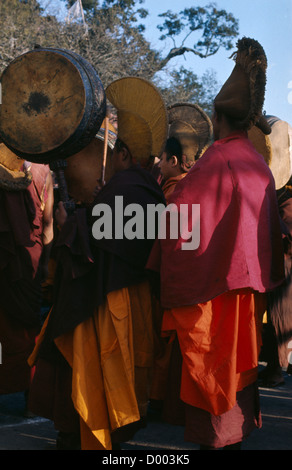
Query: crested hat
(142,116)
(13,174)
(242,96)
(192,127)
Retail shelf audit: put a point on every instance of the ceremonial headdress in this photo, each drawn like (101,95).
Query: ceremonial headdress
(241,98)
(142,117)
(191,126)
(13,175)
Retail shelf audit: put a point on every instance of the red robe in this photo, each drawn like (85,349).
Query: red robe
(21,245)
(210,294)
(240,235)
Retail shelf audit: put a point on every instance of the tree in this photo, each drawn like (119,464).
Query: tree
(114,40)
(210,27)
(217,29)
(213,28)
(22,19)
(185,86)
(87,4)
(114,51)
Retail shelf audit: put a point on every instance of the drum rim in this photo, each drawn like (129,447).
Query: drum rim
(90,122)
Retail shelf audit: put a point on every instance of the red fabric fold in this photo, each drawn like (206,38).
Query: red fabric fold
(240,235)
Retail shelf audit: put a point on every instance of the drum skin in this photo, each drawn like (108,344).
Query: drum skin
(276,148)
(83,171)
(53,104)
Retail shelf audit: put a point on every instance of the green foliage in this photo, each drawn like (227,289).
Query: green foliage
(24,26)
(185,86)
(217,29)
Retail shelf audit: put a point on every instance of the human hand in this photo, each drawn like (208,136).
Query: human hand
(60,215)
(98,187)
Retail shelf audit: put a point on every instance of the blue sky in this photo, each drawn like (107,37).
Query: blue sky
(268,21)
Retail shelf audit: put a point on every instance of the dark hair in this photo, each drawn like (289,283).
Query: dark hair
(173,147)
(234,124)
(119,145)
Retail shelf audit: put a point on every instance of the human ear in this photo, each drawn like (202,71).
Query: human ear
(174,160)
(124,153)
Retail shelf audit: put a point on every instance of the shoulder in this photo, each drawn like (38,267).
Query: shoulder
(39,172)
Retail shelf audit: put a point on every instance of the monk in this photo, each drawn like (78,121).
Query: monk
(277,325)
(214,296)
(100,327)
(26,232)
(189,135)
(277,337)
(171,166)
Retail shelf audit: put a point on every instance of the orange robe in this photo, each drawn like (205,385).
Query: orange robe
(170,184)
(163,349)
(220,342)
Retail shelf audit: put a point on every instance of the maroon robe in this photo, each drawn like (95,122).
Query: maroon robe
(280,300)
(240,234)
(20,281)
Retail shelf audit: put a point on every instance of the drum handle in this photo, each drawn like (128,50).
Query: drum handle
(104,151)
(58,166)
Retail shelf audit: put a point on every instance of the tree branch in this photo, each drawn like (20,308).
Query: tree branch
(177,51)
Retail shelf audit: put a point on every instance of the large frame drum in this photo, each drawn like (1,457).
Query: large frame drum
(276,148)
(53,104)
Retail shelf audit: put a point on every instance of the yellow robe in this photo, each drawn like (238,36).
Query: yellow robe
(111,355)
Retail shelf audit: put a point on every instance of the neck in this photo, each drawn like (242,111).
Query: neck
(225,133)
(223,127)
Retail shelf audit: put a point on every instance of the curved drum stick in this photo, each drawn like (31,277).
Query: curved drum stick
(104,151)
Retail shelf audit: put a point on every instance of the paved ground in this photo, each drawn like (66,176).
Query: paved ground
(20,433)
